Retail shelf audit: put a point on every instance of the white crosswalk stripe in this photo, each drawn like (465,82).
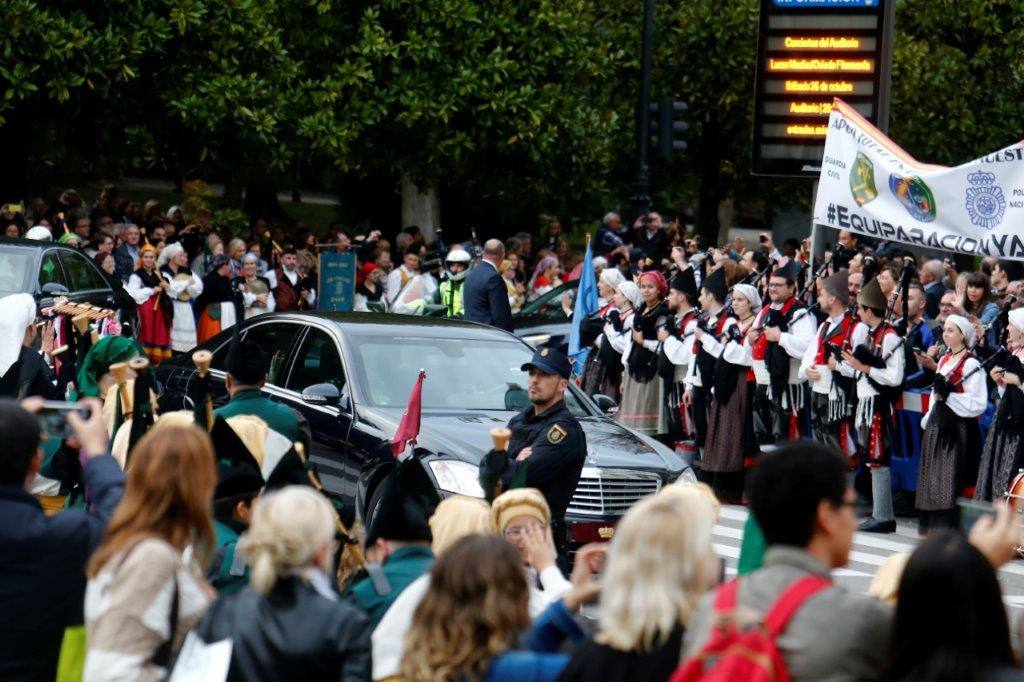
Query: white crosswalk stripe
(869,552)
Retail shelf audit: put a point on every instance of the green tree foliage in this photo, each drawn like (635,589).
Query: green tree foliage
(508,104)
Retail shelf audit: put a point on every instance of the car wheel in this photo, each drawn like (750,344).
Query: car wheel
(374,506)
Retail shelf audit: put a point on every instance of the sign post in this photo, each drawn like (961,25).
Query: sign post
(809,52)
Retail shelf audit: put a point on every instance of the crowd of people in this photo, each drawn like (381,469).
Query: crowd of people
(141,543)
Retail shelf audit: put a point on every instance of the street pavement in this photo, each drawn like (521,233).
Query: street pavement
(870,550)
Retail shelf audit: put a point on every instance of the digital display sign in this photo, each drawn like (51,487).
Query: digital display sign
(808,52)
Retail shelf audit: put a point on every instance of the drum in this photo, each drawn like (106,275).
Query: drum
(1015,498)
(1015,493)
(183,277)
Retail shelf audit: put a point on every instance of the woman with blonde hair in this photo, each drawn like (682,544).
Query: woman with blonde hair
(455,518)
(288,623)
(145,589)
(660,563)
(475,612)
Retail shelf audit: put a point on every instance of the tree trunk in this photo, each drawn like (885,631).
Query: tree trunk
(422,207)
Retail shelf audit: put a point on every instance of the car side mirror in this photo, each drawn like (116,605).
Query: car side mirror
(606,404)
(322,394)
(53,289)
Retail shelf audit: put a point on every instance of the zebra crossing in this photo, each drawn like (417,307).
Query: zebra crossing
(869,552)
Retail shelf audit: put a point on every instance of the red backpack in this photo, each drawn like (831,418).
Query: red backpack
(749,653)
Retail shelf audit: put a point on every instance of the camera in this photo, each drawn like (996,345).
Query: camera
(53,417)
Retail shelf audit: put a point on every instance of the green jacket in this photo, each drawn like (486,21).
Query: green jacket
(278,417)
(228,571)
(400,569)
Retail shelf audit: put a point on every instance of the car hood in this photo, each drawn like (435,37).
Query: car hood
(465,435)
(538,323)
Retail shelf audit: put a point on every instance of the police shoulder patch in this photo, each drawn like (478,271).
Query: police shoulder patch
(556,434)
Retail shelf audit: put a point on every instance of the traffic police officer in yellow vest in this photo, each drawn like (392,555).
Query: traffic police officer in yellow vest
(456,266)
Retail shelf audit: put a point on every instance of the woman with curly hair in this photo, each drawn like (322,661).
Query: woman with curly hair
(470,622)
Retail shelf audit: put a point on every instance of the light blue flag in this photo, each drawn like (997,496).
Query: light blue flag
(586,305)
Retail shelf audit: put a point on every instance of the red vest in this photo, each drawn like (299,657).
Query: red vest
(956,377)
(845,327)
(760,348)
(689,317)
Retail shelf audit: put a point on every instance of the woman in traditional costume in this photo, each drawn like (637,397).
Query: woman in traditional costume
(183,286)
(156,311)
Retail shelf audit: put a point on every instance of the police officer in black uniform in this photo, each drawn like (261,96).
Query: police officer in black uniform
(547,448)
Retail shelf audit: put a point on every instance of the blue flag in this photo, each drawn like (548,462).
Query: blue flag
(586,305)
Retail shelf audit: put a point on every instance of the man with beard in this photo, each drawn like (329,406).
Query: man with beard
(547,448)
(778,338)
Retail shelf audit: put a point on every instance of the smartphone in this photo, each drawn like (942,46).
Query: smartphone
(15,208)
(53,416)
(971,511)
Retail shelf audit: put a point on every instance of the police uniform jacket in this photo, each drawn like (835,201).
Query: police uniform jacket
(559,451)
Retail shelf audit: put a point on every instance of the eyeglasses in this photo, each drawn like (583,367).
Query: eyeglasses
(515,532)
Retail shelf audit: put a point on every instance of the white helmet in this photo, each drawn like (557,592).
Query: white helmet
(457,255)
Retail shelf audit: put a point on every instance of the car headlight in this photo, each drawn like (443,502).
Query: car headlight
(457,477)
(688,476)
(537,340)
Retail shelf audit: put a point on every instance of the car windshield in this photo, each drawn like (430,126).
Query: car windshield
(462,374)
(14,266)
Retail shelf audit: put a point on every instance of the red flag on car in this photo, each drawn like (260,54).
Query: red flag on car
(409,427)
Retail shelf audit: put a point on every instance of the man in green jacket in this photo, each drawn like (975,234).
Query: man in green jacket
(397,542)
(238,485)
(247,365)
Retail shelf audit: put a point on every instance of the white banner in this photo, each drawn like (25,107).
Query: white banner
(870,186)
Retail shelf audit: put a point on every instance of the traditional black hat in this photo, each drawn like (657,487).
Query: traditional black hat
(684,281)
(871,296)
(838,284)
(238,472)
(790,271)
(247,362)
(715,285)
(405,506)
(549,361)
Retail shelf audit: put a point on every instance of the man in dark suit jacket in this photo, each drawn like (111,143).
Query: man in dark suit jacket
(931,276)
(43,559)
(485,296)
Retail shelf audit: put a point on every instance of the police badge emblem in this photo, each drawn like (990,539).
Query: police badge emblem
(985,202)
(915,195)
(556,434)
(862,180)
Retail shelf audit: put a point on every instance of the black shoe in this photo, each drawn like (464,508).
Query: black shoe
(869,525)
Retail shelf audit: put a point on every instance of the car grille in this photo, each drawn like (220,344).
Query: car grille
(611,491)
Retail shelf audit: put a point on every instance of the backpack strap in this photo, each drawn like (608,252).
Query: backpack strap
(792,599)
(725,597)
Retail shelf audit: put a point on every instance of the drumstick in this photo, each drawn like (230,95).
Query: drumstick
(120,372)
(202,360)
(81,323)
(501,437)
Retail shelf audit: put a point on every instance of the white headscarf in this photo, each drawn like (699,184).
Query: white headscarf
(17,312)
(169,252)
(966,328)
(612,277)
(749,293)
(631,292)
(39,233)
(1017,318)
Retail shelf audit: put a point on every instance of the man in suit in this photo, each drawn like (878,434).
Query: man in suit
(931,276)
(485,296)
